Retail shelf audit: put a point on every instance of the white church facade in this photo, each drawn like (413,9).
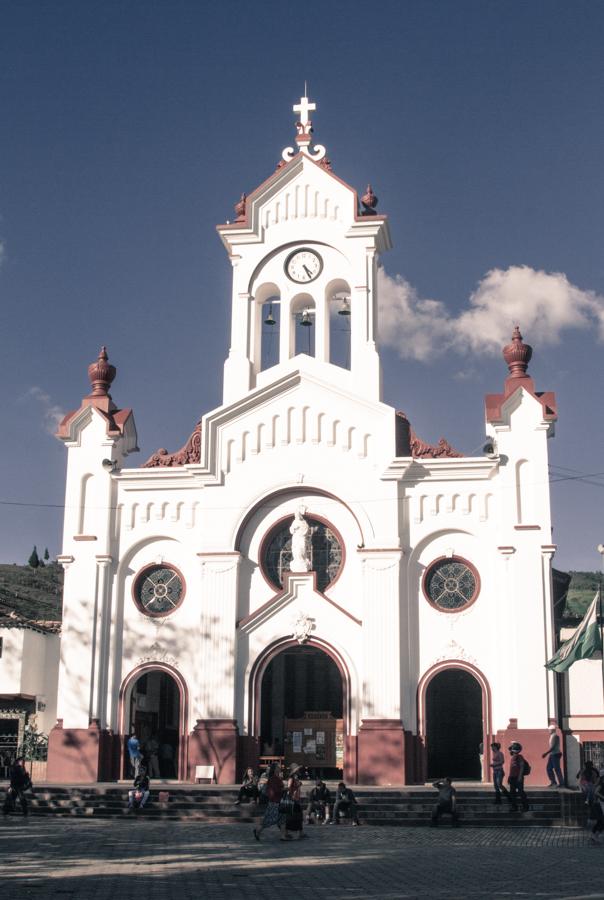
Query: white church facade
(306,578)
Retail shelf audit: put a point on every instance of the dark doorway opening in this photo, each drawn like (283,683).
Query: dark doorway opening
(454,726)
(301,712)
(155,719)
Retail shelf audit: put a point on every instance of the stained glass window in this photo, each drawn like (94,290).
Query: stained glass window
(158,590)
(451,583)
(324,552)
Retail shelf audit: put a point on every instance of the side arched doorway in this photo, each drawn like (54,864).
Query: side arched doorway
(301,709)
(154,708)
(454,725)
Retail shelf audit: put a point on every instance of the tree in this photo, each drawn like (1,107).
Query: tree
(46,555)
(34,560)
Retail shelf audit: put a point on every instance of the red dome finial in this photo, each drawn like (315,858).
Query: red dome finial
(517,355)
(101,374)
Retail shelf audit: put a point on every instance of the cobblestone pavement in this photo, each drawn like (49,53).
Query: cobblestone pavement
(160,860)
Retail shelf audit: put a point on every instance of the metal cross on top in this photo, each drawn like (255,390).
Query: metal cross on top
(304,107)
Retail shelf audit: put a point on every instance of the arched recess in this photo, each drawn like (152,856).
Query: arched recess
(424,728)
(361,520)
(257,669)
(267,324)
(338,304)
(124,718)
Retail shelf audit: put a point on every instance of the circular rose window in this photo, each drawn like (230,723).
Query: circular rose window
(323,550)
(158,590)
(451,583)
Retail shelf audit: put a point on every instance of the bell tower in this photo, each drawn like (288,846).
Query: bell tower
(304,254)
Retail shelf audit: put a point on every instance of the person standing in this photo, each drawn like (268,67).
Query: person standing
(274,793)
(588,778)
(597,809)
(152,750)
(294,819)
(498,760)
(134,752)
(19,783)
(554,754)
(516,777)
(446,803)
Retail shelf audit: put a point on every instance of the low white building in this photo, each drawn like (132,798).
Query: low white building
(29,669)
(411,620)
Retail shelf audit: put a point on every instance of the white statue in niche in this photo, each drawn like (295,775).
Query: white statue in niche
(299,532)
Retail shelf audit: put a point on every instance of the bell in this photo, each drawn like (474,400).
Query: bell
(344,310)
(270,319)
(306,320)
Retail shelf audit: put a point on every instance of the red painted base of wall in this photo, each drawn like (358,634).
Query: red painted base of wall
(213,742)
(535,741)
(381,752)
(248,754)
(79,755)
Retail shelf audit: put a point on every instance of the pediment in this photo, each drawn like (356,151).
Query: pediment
(299,588)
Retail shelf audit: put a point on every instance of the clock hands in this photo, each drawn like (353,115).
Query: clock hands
(307,270)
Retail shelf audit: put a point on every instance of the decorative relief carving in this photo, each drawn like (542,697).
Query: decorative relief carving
(422,450)
(157,653)
(190,453)
(304,625)
(453,650)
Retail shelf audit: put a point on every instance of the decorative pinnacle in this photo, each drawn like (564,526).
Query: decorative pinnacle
(369,201)
(517,355)
(240,208)
(304,131)
(101,373)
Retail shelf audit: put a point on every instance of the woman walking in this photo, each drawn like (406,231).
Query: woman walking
(294,818)
(274,793)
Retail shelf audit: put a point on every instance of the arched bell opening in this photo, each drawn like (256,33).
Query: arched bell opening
(338,297)
(267,327)
(303,325)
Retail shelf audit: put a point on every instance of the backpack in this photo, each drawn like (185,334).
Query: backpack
(527,767)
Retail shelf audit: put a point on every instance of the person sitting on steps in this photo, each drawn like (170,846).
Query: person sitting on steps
(318,803)
(346,803)
(446,803)
(139,793)
(249,787)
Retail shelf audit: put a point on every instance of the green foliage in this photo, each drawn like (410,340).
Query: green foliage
(582,589)
(34,745)
(34,560)
(46,554)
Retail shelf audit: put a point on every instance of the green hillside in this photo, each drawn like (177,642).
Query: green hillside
(583,586)
(34,593)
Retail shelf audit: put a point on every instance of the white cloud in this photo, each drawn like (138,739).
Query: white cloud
(544,304)
(51,413)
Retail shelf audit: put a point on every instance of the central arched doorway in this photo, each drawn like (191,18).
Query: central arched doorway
(302,710)
(454,725)
(153,704)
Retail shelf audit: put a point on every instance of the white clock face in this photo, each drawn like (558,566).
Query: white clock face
(303,265)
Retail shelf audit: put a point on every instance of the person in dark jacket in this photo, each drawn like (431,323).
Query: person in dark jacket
(139,793)
(346,803)
(516,777)
(19,783)
(318,803)
(249,787)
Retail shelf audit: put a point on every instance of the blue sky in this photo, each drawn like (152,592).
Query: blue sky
(130,130)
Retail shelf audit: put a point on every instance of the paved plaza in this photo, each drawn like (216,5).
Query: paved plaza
(160,860)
